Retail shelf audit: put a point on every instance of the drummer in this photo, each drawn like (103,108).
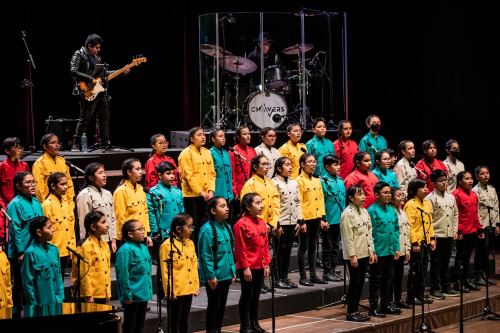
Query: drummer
(271,57)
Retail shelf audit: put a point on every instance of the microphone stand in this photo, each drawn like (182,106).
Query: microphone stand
(487,312)
(271,273)
(4,240)
(343,299)
(28,84)
(424,327)
(170,287)
(461,282)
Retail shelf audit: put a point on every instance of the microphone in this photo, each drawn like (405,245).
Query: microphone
(423,211)
(154,196)
(371,146)
(5,213)
(76,254)
(415,167)
(231,149)
(315,58)
(303,150)
(71,165)
(277,118)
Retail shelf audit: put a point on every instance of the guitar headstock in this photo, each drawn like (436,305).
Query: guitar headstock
(138,60)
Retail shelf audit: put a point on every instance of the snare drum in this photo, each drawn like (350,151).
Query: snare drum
(275,77)
(266,109)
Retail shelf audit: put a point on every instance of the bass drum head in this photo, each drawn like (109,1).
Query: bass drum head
(267,109)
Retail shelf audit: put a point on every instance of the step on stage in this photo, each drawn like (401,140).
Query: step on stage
(441,316)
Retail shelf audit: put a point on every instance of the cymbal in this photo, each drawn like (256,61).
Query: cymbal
(296,49)
(238,65)
(214,50)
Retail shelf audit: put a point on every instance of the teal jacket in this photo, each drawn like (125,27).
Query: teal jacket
(378,143)
(133,273)
(320,148)
(385,229)
(41,274)
(388,177)
(226,268)
(21,210)
(163,204)
(335,197)
(224,178)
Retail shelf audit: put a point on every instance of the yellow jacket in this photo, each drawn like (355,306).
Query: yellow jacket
(5,284)
(95,276)
(60,213)
(130,203)
(415,220)
(185,267)
(270,197)
(42,168)
(311,197)
(293,152)
(197,173)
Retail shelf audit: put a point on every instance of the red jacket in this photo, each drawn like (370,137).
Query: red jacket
(3,221)
(251,244)
(8,170)
(366,180)
(468,213)
(240,167)
(345,151)
(427,169)
(150,169)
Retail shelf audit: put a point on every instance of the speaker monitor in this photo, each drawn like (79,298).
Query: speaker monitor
(64,129)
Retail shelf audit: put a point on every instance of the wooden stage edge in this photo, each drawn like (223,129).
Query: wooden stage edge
(441,316)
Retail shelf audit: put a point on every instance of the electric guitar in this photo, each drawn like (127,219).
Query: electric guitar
(90,91)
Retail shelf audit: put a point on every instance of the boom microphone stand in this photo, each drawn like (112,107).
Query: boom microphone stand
(28,84)
(487,312)
(424,327)
(272,271)
(343,299)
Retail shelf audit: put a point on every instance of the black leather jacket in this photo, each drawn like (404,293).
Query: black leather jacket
(82,68)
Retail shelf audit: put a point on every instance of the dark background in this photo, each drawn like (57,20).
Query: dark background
(429,69)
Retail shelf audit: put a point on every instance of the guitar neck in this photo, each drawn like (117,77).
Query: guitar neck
(120,71)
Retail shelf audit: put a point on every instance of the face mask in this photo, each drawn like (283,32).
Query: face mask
(455,153)
(375,127)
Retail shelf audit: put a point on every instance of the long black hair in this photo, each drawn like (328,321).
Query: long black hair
(91,218)
(247,201)
(90,171)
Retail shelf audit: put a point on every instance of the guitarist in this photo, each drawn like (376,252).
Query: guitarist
(84,70)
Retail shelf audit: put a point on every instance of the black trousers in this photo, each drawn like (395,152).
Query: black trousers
(482,253)
(283,246)
(356,283)
(179,310)
(399,269)
(197,208)
(440,260)
(419,262)
(464,252)
(134,315)
(64,262)
(248,305)
(307,243)
(381,277)
(17,285)
(217,299)
(87,110)
(330,247)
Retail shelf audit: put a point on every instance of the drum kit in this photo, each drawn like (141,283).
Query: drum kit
(264,108)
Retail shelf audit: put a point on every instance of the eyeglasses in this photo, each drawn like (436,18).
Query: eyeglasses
(190,227)
(311,162)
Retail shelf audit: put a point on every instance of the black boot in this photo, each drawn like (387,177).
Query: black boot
(246,328)
(256,327)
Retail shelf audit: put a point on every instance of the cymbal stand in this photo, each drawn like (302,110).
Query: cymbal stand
(302,77)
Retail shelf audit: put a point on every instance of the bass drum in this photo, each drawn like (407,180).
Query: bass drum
(266,109)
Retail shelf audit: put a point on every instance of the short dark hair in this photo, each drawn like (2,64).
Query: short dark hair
(10,142)
(379,186)
(413,186)
(127,227)
(436,174)
(35,224)
(164,166)
(93,40)
(330,159)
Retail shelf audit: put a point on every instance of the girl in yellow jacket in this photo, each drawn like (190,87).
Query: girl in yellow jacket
(95,274)
(60,212)
(313,211)
(5,284)
(48,163)
(197,175)
(130,199)
(179,271)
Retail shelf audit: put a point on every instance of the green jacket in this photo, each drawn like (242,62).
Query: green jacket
(224,178)
(226,268)
(385,230)
(133,273)
(41,273)
(320,148)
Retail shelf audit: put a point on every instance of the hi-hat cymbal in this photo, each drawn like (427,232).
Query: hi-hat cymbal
(297,48)
(238,65)
(214,50)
